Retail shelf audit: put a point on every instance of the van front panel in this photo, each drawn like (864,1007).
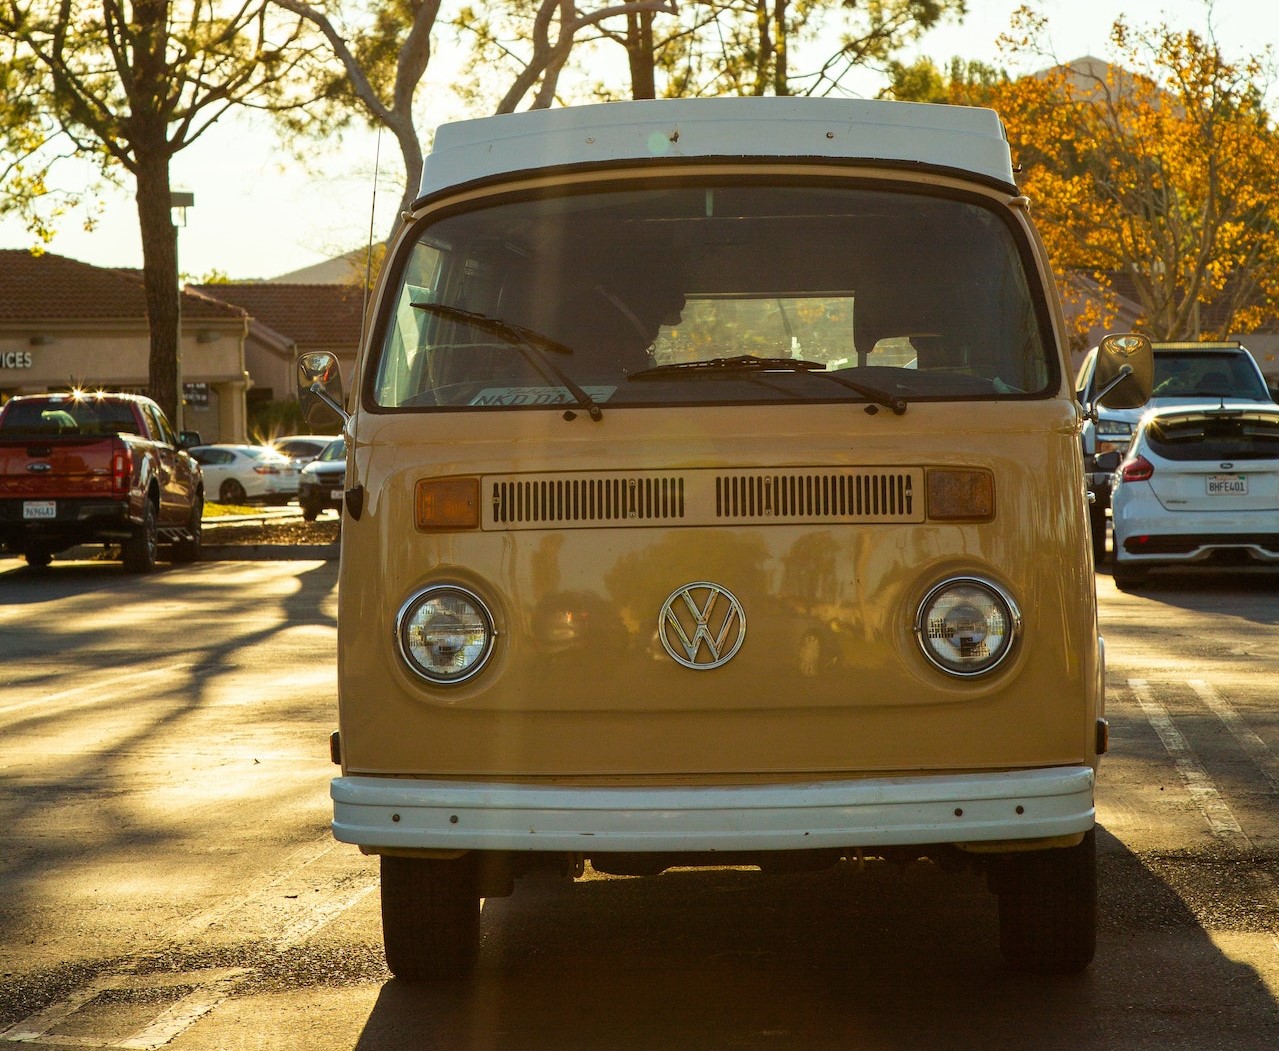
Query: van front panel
(616,517)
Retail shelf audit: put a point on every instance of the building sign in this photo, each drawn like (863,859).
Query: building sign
(196,395)
(15,359)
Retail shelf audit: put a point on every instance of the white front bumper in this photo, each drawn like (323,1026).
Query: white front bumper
(402,813)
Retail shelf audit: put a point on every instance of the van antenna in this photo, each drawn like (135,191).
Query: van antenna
(368,252)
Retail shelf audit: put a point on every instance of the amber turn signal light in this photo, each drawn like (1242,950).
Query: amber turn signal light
(447,503)
(961,495)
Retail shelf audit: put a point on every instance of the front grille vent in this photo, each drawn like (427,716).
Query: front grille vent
(703,497)
(863,496)
(588,500)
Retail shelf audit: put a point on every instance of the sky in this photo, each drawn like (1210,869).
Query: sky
(260,214)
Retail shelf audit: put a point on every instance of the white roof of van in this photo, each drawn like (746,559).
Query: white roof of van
(957,137)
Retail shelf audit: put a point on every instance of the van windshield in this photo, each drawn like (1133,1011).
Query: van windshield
(712,293)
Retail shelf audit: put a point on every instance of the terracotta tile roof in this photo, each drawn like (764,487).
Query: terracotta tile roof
(321,316)
(48,287)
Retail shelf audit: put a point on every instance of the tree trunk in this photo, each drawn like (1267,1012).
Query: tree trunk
(781,69)
(401,125)
(160,276)
(639,50)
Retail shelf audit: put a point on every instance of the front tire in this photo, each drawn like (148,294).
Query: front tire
(430,917)
(1126,577)
(141,551)
(1048,908)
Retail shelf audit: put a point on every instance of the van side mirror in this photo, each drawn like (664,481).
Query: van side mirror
(189,439)
(1124,374)
(320,388)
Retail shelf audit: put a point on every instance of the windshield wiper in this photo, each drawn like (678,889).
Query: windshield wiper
(880,397)
(749,363)
(532,345)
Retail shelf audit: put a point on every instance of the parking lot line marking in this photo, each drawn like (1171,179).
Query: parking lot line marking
(34,1027)
(318,916)
(185,1013)
(213,986)
(1256,749)
(297,860)
(1203,790)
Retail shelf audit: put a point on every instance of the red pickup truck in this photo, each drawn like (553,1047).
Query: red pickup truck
(99,468)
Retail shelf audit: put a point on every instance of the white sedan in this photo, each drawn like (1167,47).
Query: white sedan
(238,474)
(1198,485)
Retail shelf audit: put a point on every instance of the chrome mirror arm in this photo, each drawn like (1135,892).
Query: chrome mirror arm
(330,401)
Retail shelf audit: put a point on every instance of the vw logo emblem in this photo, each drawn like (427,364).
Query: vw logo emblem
(702,625)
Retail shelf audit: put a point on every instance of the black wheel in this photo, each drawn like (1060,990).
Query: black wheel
(1097,528)
(1127,578)
(232,492)
(188,550)
(38,558)
(430,917)
(1048,908)
(310,512)
(142,549)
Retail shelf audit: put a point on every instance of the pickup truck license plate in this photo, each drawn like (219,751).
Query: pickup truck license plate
(335,494)
(1227,485)
(39,509)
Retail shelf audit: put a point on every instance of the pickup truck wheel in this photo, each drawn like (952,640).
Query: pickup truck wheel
(310,512)
(1048,908)
(232,492)
(142,549)
(38,558)
(430,917)
(188,550)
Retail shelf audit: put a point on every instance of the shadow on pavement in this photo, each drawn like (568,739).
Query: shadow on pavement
(878,959)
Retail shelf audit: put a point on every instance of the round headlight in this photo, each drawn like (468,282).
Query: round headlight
(967,626)
(445,633)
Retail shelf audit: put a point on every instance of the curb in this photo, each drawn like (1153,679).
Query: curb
(268,552)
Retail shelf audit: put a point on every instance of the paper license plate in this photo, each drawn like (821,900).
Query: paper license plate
(335,494)
(1227,485)
(39,509)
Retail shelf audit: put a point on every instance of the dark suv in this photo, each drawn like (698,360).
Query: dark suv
(322,481)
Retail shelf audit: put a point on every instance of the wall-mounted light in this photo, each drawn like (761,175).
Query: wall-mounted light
(41,340)
(205,335)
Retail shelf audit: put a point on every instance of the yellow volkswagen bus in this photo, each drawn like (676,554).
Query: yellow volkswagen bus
(714,496)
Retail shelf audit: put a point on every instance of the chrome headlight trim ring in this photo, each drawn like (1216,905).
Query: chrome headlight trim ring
(984,658)
(474,652)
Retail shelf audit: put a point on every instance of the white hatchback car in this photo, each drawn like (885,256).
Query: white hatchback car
(238,474)
(1198,484)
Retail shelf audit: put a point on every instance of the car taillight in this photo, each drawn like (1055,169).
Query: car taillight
(121,470)
(1138,469)
(263,469)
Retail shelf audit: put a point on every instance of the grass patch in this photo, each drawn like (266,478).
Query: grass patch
(216,510)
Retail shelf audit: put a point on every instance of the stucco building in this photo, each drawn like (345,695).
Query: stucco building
(66,324)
